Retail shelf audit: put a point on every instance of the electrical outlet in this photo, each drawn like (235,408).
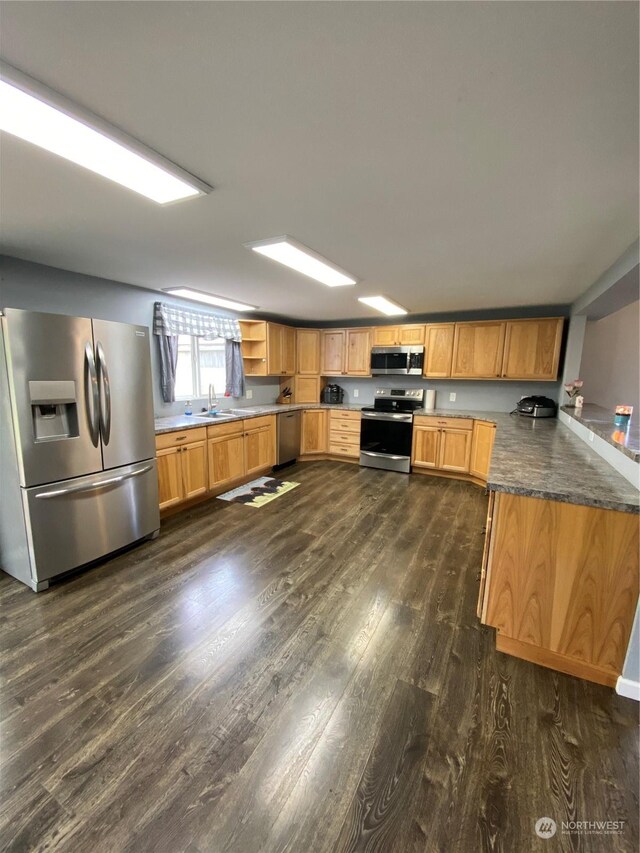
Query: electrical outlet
(356,393)
(249,394)
(452,397)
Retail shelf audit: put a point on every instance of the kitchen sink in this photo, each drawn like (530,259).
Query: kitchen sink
(218,416)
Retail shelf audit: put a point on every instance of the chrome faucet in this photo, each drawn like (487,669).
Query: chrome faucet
(213,400)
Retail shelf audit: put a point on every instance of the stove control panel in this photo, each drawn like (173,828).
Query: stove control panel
(415,395)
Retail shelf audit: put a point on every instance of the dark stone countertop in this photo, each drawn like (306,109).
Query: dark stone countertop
(533,457)
(600,421)
(542,458)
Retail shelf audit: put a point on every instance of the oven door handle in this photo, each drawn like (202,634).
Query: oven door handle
(382,455)
(384,416)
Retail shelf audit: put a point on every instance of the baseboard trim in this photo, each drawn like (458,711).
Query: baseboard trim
(628,688)
(555,660)
(449,475)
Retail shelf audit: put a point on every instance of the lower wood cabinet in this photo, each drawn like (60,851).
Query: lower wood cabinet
(561,584)
(442,443)
(193,462)
(182,466)
(344,433)
(314,431)
(259,443)
(226,453)
(170,480)
(426,446)
(484,432)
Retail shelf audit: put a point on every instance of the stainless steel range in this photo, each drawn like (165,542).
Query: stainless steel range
(386,429)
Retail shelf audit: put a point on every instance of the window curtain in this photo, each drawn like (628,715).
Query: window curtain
(169,321)
(235,369)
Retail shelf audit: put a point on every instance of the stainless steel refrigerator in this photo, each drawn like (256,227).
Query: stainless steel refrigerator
(78,473)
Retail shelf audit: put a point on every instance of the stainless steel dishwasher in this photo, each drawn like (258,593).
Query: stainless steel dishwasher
(288,437)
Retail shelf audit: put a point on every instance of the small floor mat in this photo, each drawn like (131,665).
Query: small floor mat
(258,492)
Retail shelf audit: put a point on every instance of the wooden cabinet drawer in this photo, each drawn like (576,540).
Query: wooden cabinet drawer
(185,436)
(260,422)
(444,423)
(342,449)
(348,427)
(220,430)
(337,437)
(344,414)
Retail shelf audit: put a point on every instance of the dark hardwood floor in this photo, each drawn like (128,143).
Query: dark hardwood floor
(308,676)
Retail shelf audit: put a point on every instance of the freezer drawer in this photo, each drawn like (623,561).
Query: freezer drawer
(74,522)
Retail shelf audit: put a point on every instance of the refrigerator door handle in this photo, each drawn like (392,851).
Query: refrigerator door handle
(105,394)
(89,487)
(92,400)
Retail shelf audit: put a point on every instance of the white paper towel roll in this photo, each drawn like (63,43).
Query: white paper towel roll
(429,400)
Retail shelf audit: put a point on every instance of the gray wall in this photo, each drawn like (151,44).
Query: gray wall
(41,288)
(482,395)
(609,367)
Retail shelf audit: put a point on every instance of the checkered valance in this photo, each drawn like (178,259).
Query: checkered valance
(172,320)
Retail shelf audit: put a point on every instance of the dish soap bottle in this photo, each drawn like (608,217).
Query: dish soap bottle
(187,408)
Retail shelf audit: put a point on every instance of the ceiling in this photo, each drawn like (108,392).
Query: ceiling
(451,156)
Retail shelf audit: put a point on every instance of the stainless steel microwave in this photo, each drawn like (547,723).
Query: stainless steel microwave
(399,361)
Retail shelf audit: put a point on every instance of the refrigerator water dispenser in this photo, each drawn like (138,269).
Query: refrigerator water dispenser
(54,410)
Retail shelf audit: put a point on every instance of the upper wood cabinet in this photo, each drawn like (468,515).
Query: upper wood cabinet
(306,389)
(532,349)
(390,336)
(268,349)
(275,340)
(308,352)
(411,335)
(288,351)
(478,349)
(358,354)
(254,347)
(438,349)
(332,359)
(386,336)
(281,350)
(314,436)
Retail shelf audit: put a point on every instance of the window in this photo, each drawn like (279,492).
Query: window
(200,363)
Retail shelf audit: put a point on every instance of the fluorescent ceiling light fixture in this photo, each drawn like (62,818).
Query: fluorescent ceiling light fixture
(37,114)
(209,299)
(293,254)
(383,305)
